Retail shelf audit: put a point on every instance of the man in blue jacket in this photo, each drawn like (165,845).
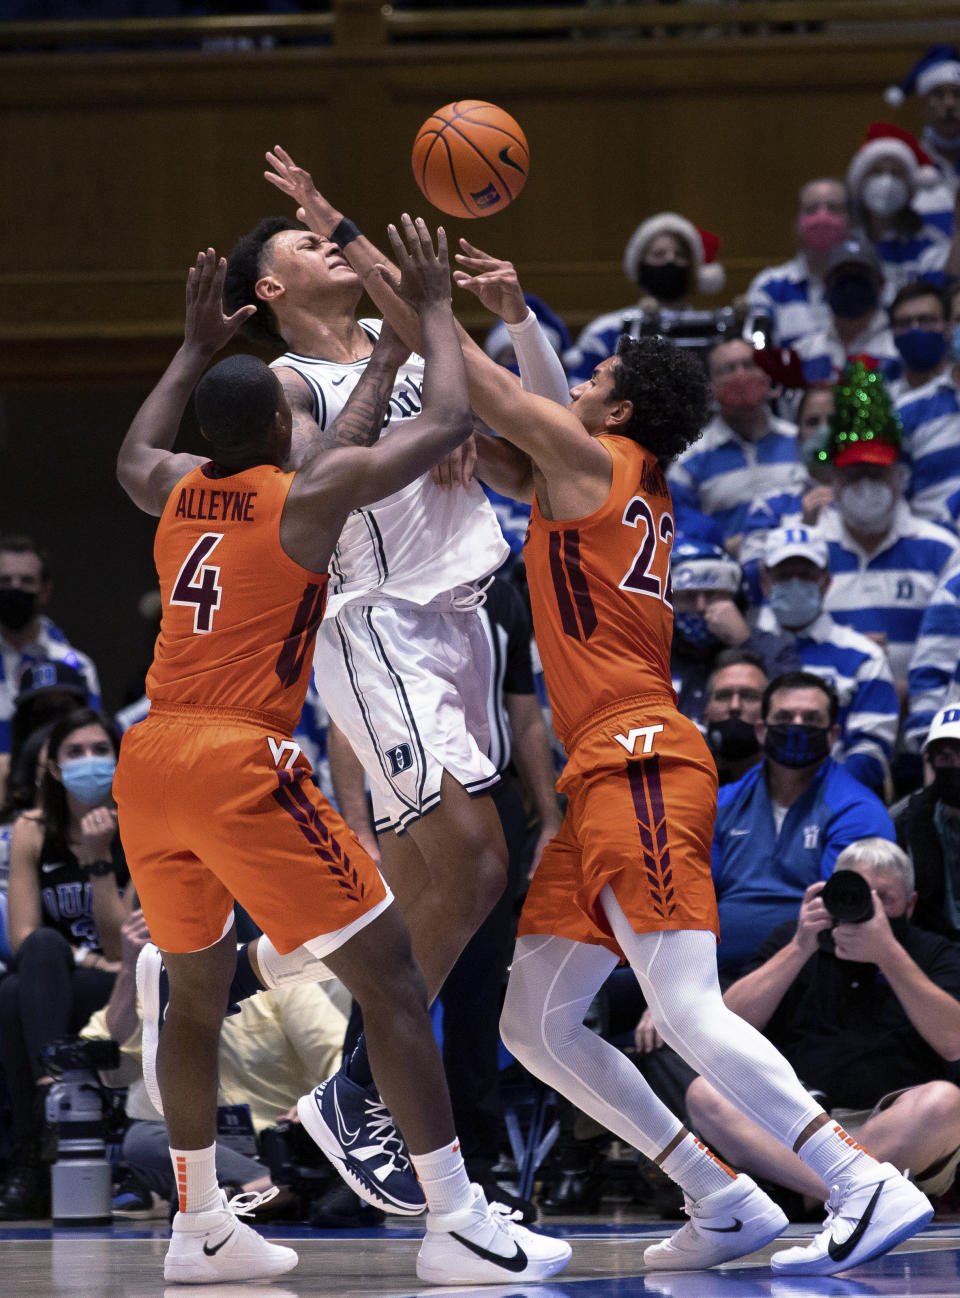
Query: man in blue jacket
(782,826)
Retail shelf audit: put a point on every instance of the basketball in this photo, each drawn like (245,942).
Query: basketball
(470,158)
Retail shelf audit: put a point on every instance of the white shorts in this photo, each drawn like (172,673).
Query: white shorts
(409,686)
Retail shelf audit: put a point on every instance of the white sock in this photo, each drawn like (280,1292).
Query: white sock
(834,1155)
(195,1171)
(695,1169)
(446,1186)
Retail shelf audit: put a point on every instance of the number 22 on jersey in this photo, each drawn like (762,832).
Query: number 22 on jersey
(639,577)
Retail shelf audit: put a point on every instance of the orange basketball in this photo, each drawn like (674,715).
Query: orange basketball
(470,158)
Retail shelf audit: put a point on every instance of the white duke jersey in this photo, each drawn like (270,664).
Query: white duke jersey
(418,542)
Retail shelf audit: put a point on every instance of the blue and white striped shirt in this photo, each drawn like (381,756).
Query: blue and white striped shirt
(888,590)
(859,671)
(931,446)
(792,298)
(907,257)
(823,355)
(720,474)
(934,677)
(50,645)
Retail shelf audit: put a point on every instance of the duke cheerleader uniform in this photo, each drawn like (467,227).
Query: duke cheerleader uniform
(215,799)
(401,661)
(641,785)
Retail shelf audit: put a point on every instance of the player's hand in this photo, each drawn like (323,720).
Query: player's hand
(645,1035)
(207,328)
(726,622)
(98,828)
(456,469)
(312,208)
(493,281)
(424,273)
(813,919)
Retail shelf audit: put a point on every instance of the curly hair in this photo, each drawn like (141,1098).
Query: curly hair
(669,391)
(246,263)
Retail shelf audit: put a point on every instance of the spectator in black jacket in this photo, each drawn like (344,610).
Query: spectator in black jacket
(928,827)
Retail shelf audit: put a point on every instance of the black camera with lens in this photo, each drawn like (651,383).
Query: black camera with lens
(846,896)
(74,1055)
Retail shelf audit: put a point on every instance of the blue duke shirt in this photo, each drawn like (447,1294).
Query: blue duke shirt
(761,874)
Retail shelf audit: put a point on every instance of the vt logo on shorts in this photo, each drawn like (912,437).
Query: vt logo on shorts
(400,758)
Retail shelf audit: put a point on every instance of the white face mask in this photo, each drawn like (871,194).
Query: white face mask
(884,195)
(867,505)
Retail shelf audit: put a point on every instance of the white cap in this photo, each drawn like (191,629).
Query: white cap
(796,543)
(945,725)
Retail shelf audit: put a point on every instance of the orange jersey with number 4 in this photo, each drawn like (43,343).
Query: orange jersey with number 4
(239,615)
(600,592)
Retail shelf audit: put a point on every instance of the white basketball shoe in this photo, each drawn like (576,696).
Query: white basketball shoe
(213,1247)
(872,1214)
(723,1225)
(484,1244)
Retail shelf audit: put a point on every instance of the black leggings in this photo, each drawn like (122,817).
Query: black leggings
(48,997)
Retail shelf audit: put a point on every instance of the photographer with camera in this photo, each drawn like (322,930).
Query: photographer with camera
(866,1007)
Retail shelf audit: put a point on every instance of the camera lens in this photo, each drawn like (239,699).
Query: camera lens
(847,897)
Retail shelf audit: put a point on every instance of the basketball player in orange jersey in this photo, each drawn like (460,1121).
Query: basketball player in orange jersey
(628,876)
(215,801)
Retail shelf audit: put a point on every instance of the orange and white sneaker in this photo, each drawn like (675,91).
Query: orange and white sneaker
(212,1247)
(484,1244)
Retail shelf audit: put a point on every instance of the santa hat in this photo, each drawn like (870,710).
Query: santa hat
(940,66)
(703,246)
(884,140)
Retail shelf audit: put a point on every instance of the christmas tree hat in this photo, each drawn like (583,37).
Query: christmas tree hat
(864,428)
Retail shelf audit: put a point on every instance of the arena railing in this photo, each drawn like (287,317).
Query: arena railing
(357,23)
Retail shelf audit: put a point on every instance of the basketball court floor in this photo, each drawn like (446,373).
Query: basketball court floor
(127,1262)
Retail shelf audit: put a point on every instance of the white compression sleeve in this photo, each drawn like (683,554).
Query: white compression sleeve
(300,966)
(677,972)
(552,982)
(540,368)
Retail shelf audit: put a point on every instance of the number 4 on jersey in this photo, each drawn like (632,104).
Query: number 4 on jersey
(198,583)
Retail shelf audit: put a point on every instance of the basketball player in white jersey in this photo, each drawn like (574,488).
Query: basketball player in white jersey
(401,661)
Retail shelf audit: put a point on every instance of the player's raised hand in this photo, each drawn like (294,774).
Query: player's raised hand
(492,280)
(312,208)
(207,328)
(424,272)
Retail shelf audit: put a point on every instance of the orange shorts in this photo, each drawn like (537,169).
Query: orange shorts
(215,807)
(641,790)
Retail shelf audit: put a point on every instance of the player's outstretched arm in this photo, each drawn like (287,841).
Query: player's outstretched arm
(146,466)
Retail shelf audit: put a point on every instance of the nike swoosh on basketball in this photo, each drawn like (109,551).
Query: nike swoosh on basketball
(515,1264)
(840,1251)
(346,1136)
(217,1247)
(725,1230)
(504,156)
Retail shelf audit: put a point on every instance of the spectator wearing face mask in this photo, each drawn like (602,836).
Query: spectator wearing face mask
(885,562)
(669,259)
(859,327)
(781,827)
(708,618)
(884,175)
(795,576)
(928,403)
(807,497)
(935,78)
(27,636)
(791,295)
(734,694)
(745,449)
(928,827)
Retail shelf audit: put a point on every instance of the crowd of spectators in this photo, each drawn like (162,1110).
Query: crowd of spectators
(816,595)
